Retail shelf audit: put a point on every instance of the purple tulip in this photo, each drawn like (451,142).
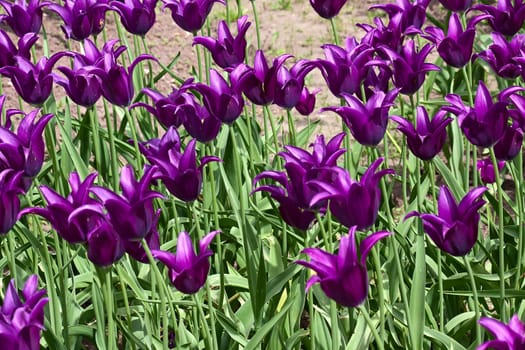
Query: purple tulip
(190,15)
(177,170)
(132,213)
(290,83)
(409,66)
(80,84)
(426,140)
(306,103)
(82,18)
(344,69)
(227,51)
(135,248)
(367,122)
(483,125)
(187,270)
(22,319)
(10,51)
(506,18)
(197,121)
(32,82)
(486,170)
(379,35)
(413,15)
(505,57)
(22,16)
(456,5)
(9,201)
(222,101)
(327,8)
(352,203)
(343,277)
(508,337)
(455,228)
(456,47)
(135,15)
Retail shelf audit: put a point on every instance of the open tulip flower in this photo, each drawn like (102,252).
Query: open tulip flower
(456,5)
(367,122)
(428,137)
(190,15)
(455,227)
(82,18)
(227,51)
(22,319)
(9,201)
(10,51)
(505,18)
(505,57)
(509,336)
(327,8)
(343,277)
(137,16)
(484,123)
(413,13)
(188,271)
(23,16)
(379,34)
(290,83)
(486,170)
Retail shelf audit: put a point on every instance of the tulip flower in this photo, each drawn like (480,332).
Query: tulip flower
(306,103)
(343,277)
(227,52)
(455,228)
(81,85)
(290,83)
(456,47)
(135,15)
(82,18)
(132,214)
(456,5)
(10,51)
(390,35)
(505,57)
(9,201)
(135,248)
(484,123)
(22,319)
(177,170)
(352,203)
(509,336)
(190,15)
(32,82)
(409,66)
(428,137)
(23,16)
(505,18)
(367,122)
(413,14)
(327,8)
(222,101)
(509,145)
(344,69)
(196,119)
(187,270)
(486,170)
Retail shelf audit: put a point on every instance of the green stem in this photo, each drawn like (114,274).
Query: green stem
(334,31)
(477,314)
(107,290)
(257,26)
(371,326)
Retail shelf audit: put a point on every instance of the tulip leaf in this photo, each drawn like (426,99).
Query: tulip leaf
(445,340)
(230,328)
(450,178)
(303,136)
(80,166)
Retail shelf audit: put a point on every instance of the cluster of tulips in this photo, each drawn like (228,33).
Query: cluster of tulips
(370,75)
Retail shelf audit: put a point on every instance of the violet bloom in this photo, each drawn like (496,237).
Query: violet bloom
(22,319)
(367,122)
(379,35)
(344,69)
(455,48)
(509,145)
(82,18)
(132,213)
(456,5)
(23,16)
(222,101)
(505,57)
(455,228)
(10,51)
(352,203)
(343,277)
(483,125)
(258,83)
(9,201)
(187,270)
(426,140)
(198,122)
(508,337)
(413,14)
(177,170)
(32,82)
(137,16)
(136,250)
(190,15)
(289,84)
(327,8)
(306,103)
(486,170)
(506,18)
(409,66)
(81,85)
(227,51)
